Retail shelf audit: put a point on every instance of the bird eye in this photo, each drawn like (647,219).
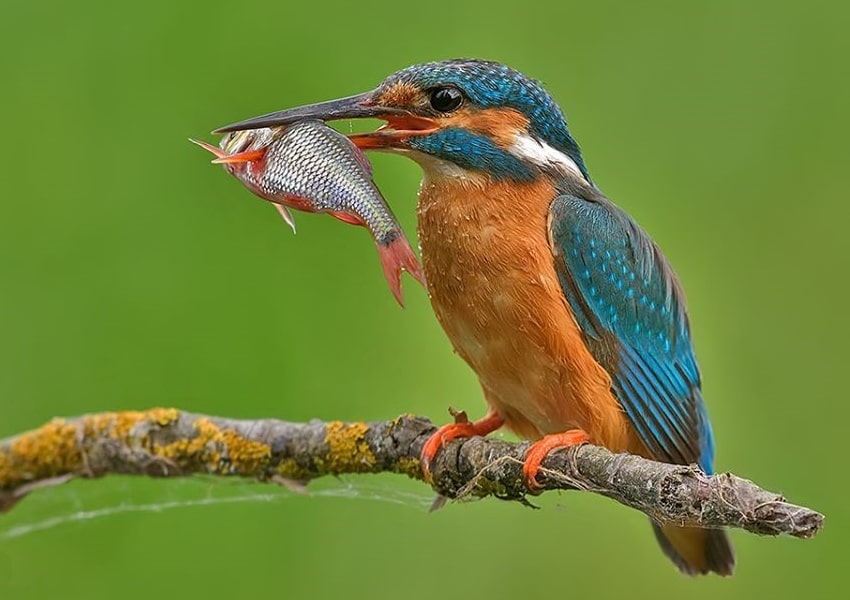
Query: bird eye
(446,99)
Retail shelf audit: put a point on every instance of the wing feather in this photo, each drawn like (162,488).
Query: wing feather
(631,310)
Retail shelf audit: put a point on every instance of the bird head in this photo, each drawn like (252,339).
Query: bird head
(456,118)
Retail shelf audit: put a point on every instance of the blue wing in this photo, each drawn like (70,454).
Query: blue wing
(630,308)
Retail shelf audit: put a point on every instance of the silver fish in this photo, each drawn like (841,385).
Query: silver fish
(311,167)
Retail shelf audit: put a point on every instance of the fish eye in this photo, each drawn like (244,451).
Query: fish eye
(446,99)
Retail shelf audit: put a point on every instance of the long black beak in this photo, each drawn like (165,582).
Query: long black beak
(353,107)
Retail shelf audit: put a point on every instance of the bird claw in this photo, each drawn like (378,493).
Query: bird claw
(540,449)
(462,427)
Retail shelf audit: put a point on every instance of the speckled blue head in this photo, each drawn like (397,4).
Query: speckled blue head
(489,85)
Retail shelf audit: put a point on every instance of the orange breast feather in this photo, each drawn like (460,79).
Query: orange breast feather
(493,286)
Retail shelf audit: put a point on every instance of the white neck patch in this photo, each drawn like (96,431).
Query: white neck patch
(437,170)
(529,148)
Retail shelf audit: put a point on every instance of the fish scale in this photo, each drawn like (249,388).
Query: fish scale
(311,160)
(311,167)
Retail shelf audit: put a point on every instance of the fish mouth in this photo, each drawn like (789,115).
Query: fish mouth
(401,124)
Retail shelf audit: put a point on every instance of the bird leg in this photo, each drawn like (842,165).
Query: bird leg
(540,449)
(460,428)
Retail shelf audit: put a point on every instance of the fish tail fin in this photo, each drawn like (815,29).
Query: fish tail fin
(697,551)
(397,256)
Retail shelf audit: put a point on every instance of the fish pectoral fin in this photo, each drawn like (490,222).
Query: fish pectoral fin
(286,215)
(240,157)
(346,217)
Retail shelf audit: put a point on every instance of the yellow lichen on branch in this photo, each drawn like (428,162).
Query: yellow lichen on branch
(216,450)
(203,445)
(121,425)
(166,442)
(49,451)
(348,450)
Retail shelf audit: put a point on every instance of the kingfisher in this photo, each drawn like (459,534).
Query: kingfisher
(568,312)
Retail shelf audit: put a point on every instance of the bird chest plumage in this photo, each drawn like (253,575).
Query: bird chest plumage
(494,289)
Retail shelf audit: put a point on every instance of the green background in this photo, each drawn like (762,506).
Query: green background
(134,274)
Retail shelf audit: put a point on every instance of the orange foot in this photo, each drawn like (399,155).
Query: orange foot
(541,449)
(460,428)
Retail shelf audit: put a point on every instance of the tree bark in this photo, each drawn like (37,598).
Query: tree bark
(173,443)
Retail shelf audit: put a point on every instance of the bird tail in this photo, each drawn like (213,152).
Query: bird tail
(697,551)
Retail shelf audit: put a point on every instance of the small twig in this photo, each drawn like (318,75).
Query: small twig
(173,443)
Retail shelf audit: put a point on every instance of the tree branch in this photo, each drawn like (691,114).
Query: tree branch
(172,443)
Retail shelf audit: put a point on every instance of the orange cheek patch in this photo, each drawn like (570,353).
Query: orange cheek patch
(499,124)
